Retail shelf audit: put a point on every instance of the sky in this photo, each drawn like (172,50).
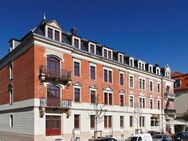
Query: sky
(155,31)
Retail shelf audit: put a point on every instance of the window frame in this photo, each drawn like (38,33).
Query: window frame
(79,42)
(131,86)
(89,47)
(80,94)
(90,71)
(77,118)
(79,62)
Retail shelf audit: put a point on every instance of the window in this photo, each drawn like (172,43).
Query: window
(121,78)
(92,48)
(76,68)
(53,66)
(131,81)
(154,121)
(57,35)
(142,84)
(151,86)
(92,96)
(107,98)
(107,53)
(107,121)
(77,95)
(92,121)
(76,43)
(158,87)
(53,125)
(121,99)
(92,72)
(10,90)
(50,33)
(151,103)
(158,104)
(107,75)
(10,70)
(158,71)
(53,95)
(11,121)
(76,121)
(151,68)
(177,84)
(131,101)
(121,58)
(142,102)
(141,121)
(131,121)
(121,121)
(131,62)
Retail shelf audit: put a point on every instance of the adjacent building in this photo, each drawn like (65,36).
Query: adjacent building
(181,91)
(57,85)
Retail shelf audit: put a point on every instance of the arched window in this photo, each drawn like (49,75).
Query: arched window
(53,66)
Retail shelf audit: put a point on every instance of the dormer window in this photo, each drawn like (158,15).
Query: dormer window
(131,62)
(141,65)
(158,71)
(50,33)
(76,42)
(92,48)
(120,58)
(57,35)
(107,53)
(150,69)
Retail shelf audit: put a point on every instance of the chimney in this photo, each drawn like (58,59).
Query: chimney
(74,31)
(13,44)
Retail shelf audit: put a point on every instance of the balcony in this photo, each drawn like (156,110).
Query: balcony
(170,96)
(55,103)
(55,76)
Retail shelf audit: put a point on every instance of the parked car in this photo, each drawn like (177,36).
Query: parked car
(140,137)
(182,136)
(106,139)
(161,137)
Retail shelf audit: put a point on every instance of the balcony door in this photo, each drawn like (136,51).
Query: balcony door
(53,96)
(53,66)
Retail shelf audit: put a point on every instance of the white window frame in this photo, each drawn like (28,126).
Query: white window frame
(143,87)
(53,32)
(109,92)
(92,89)
(142,106)
(160,87)
(131,64)
(89,47)
(93,65)
(78,61)
(120,72)
(120,55)
(108,69)
(104,48)
(79,41)
(152,103)
(78,87)
(123,99)
(10,66)
(141,65)
(152,86)
(133,101)
(158,71)
(159,108)
(150,68)
(130,75)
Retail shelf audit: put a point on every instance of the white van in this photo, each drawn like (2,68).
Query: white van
(140,137)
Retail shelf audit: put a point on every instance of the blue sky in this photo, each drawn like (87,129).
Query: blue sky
(155,31)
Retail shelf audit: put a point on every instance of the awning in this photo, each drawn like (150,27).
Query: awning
(178,122)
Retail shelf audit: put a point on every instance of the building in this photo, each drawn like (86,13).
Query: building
(181,91)
(56,85)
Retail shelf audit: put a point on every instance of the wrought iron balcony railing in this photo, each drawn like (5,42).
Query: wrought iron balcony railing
(170,96)
(169,111)
(55,103)
(58,76)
